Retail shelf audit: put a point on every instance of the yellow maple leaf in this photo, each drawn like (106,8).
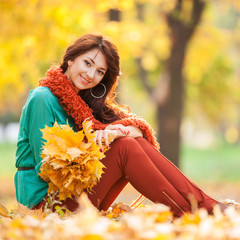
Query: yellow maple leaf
(191,219)
(3,211)
(74,152)
(87,128)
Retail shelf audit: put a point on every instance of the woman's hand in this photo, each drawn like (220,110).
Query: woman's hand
(130,131)
(117,131)
(119,127)
(101,135)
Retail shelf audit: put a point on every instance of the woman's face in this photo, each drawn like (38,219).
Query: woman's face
(87,70)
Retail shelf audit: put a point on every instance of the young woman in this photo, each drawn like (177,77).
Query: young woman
(83,87)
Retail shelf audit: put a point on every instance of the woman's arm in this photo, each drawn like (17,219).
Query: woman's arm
(40,114)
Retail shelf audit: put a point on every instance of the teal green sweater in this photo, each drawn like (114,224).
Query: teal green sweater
(41,109)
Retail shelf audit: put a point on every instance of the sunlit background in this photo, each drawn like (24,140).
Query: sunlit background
(35,34)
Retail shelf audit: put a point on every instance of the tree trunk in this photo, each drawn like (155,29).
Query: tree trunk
(168,95)
(169,111)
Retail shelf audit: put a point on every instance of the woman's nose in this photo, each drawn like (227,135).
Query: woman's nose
(90,73)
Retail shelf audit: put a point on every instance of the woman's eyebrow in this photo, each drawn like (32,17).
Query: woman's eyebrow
(94,63)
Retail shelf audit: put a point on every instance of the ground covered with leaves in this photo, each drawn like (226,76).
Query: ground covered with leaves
(119,222)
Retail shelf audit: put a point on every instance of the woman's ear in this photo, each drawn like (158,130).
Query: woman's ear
(70,62)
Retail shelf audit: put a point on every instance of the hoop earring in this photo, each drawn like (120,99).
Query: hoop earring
(102,94)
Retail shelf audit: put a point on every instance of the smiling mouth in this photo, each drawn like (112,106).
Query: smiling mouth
(84,80)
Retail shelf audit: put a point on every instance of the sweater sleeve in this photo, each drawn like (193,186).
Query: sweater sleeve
(41,113)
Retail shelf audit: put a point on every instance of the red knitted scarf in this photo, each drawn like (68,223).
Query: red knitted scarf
(68,98)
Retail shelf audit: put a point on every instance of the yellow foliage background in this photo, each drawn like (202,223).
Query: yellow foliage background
(35,34)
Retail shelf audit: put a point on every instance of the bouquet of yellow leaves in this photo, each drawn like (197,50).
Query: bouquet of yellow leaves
(71,160)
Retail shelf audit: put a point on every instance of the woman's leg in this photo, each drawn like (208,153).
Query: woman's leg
(112,194)
(127,159)
(175,176)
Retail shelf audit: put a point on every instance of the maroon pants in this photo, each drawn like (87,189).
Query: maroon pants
(136,161)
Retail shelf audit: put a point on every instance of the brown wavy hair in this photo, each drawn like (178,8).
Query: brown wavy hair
(105,109)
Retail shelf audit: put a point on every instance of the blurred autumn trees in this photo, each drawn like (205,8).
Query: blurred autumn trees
(183,53)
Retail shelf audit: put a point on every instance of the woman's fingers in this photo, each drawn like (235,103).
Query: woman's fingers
(99,135)
(124,130)
(119,127)
(105,135)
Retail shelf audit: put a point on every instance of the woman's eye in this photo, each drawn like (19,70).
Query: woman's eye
(87,62)
(100,72)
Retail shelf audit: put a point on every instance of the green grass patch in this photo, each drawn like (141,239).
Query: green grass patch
(7,158)
(216,164)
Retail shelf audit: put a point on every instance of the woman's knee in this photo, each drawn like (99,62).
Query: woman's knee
(124,145)
(126,142)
